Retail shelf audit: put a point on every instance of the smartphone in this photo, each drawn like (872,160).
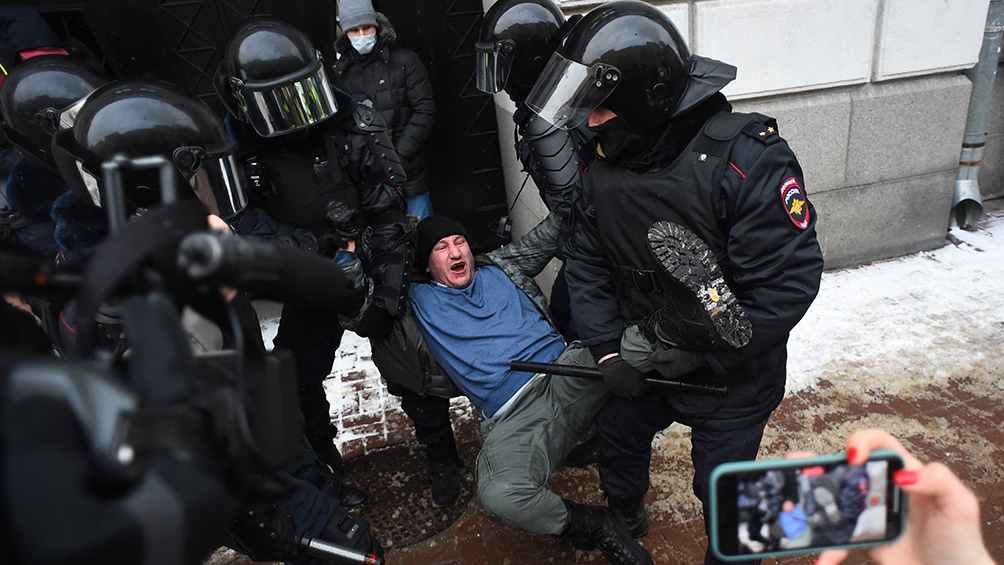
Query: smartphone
(787,506)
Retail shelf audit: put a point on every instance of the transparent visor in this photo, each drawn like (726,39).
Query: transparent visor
(68,115)
(288,103)
(49,120)
(567,92)
(221,186)
(217,182)
(492,65)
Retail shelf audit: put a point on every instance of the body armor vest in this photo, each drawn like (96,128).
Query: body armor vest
(302,179)
(687,191)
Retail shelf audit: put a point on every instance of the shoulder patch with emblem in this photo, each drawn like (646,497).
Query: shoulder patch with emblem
(795,203)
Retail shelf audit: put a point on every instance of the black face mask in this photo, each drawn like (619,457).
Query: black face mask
(620,144)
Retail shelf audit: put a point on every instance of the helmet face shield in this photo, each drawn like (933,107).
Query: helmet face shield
(216,180)
(288,103)
(220,185)
(69,114)
(567,91)
(48,121)
(77,166)
(493,63)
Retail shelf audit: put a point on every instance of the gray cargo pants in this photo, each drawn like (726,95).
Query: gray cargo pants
(524,445)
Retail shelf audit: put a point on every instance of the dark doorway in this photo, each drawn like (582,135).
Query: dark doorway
(463,152)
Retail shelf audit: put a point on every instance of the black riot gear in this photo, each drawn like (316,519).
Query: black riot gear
(38,95)
(138,119)
(628,57)
(272,76)
(517,39)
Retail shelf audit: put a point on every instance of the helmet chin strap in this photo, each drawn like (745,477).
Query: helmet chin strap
(707,76)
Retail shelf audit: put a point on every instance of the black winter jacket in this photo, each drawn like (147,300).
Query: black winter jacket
(397,83)
(769,254)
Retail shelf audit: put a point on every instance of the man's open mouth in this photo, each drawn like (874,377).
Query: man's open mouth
(457,267)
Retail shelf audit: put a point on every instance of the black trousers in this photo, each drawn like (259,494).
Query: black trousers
(430,414)
(627,426)
(313,337)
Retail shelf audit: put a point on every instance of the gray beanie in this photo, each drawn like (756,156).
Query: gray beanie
(355,13)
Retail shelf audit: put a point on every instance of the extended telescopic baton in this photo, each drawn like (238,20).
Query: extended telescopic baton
(335,553)
(594,373)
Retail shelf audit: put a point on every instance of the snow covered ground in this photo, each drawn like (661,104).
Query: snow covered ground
(928,314)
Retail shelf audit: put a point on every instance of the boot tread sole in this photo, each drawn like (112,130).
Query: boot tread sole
(689,260)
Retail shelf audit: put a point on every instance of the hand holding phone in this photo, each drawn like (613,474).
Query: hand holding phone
(943,525)
(785,506)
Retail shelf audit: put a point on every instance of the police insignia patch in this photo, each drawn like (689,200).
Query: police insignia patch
(795,203)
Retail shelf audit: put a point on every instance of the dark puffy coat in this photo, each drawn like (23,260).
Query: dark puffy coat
(397,83)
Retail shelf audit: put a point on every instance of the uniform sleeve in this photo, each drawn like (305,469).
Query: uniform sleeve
(423,108)
(590,279)
(774,255)
(257,223)
(386,261)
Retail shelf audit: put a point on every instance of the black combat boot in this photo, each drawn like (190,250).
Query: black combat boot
(327,473)
(330,482)
(632,510)
(444,471)
(603,528)
(700,312)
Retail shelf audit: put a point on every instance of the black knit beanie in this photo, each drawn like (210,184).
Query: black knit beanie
(430,231)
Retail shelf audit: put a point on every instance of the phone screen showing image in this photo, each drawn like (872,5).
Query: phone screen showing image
(793,506)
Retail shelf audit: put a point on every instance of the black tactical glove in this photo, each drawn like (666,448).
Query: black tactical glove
(622,379)
(328,244)
(672,362)
(345,220)
(353,300)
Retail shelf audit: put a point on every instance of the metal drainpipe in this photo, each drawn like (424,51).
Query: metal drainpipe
(967,206)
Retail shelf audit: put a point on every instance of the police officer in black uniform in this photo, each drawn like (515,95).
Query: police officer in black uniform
(516,40)
(694,251)
(324,172)
(140,152)
(32,98)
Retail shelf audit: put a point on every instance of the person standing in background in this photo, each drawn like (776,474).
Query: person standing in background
(393,81)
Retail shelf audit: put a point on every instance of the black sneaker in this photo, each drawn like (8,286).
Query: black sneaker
(704,314)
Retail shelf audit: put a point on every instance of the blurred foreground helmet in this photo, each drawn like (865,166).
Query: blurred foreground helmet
(517,39)
(129,122)
(626,56)
(272,76)
(40,96)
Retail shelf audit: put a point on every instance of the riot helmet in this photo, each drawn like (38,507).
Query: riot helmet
(40,96)
(272,76)
(516,41)
(626,56)
(132,122)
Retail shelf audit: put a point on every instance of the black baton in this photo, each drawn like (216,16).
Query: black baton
(594,373)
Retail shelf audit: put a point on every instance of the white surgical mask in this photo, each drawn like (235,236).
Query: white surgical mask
(364,43)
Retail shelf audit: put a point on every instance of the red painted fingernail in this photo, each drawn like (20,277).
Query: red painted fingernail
(904,477)
(851,453)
